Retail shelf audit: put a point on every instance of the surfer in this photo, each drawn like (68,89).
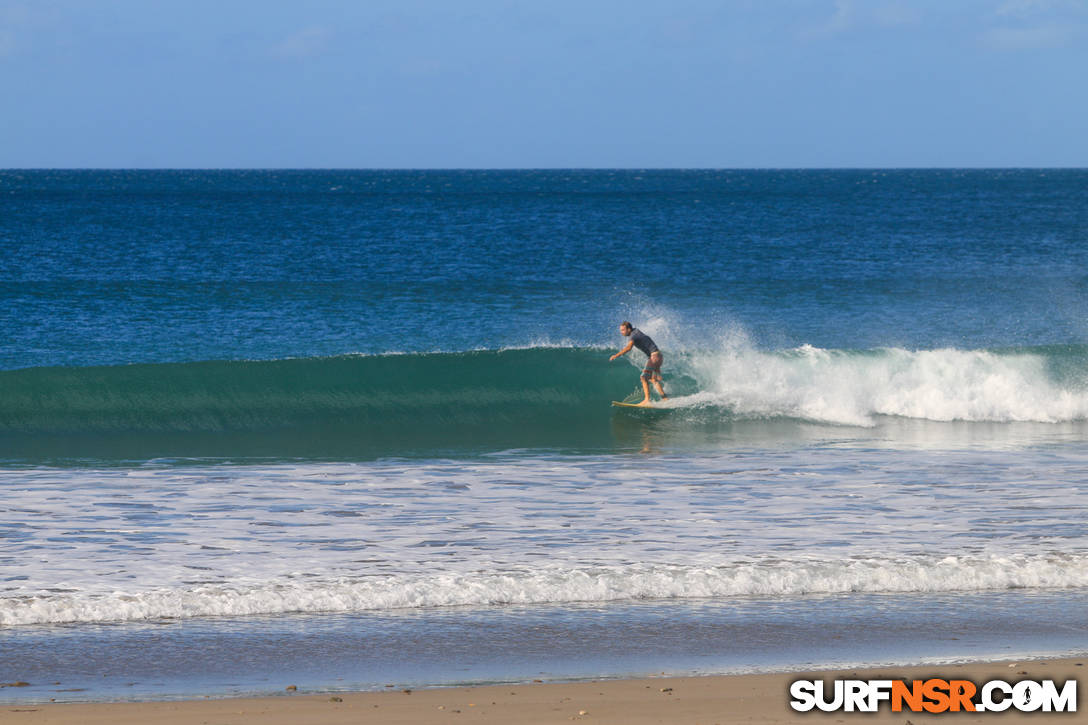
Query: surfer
(652,370)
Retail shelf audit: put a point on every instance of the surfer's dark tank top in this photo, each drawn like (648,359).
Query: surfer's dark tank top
(643,342)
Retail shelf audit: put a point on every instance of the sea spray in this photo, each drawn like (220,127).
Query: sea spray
(848,387)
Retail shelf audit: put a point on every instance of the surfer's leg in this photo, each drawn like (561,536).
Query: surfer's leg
(653,367)
(645,391)
(660,385)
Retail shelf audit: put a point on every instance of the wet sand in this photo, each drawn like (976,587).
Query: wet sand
(728,699)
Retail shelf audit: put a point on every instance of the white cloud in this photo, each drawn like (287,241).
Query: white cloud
(18,22)
(1049,36)
(897,13)
(1024,7)
(305,43)
(851,15)
(1036,24)
(1029,8)
(1020,7)
(841,20)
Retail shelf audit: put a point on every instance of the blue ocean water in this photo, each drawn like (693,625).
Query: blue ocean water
(167,266)
(261,403)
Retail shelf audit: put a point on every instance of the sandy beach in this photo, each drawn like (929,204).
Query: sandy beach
(760,698)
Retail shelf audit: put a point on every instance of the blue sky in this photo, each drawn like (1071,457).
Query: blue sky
(544,83)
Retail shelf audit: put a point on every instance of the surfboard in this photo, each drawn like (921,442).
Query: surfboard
(618,404)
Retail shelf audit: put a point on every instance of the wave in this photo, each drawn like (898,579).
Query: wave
(1041,385)
(557,584)
(342,406)
(362,406)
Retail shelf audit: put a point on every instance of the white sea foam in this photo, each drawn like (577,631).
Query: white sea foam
(162,541)
(852,388)
(556,584)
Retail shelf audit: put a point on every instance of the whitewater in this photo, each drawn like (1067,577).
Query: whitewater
(853,387)
(161,541)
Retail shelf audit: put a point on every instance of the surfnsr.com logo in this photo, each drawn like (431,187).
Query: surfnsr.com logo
(934,695)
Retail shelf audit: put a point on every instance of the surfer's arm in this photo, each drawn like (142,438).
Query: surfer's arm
(622,352)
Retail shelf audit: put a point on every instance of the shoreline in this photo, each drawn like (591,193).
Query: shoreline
(708,699)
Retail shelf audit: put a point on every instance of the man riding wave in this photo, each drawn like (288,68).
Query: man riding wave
(652,370)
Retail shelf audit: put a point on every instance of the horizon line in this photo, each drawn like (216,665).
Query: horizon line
(540,168)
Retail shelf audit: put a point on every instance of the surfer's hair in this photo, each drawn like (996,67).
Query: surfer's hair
(625,323)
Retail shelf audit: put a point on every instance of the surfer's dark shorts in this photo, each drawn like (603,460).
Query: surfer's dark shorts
(653,366)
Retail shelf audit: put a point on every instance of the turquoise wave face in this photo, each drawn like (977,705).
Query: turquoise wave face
(435,404)
(358,406)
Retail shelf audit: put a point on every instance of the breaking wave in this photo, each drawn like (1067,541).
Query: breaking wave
(558,584)
(364,406)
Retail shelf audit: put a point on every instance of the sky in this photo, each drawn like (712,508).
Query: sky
(543,83)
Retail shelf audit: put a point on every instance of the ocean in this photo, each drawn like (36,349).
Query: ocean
(352,429)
